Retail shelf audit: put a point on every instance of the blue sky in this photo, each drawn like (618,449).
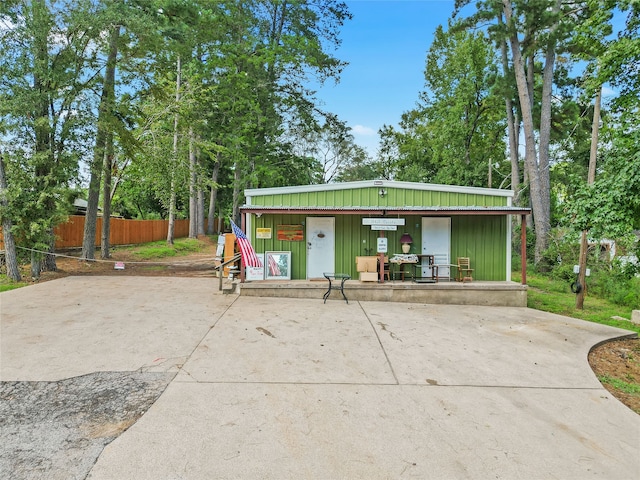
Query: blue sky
(385,44)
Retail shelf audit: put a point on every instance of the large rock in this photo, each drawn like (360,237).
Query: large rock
(635,316)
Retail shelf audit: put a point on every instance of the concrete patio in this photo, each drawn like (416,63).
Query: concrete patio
(294,388)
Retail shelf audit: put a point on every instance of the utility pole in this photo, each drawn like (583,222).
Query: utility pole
(582,261)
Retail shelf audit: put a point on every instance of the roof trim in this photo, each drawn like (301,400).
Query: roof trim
(382,211)
(255,192)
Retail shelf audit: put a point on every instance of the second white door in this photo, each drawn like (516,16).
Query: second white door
(436,241)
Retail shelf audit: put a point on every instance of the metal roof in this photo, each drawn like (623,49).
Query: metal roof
(377,210)
(378,183)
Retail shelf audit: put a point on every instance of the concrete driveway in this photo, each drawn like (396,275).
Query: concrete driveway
(292,388)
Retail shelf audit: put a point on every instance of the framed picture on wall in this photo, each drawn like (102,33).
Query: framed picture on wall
(277,265)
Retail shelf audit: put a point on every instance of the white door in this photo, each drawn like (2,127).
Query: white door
(436,241)
(321,253)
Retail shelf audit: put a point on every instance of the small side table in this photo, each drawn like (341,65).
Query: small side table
(343,277)
(417,275)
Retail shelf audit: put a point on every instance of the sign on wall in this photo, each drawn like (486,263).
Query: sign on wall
(290,233)
(383,221)
(382,245)
(263,233)
(384,227)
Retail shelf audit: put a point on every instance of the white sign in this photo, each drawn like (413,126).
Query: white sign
(220,249)
(255,273)
(383,221)
(263,233)
(384,227)
(382,245)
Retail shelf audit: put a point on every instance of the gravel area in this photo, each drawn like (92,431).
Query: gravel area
(57,430)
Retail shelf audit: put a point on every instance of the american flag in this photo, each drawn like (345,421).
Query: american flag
(249,257)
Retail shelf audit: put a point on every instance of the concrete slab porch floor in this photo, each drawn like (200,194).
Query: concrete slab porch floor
(498,294)
(294,388)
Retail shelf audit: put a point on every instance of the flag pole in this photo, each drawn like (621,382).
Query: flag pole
(243,226)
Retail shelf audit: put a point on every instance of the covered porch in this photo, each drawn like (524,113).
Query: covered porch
(361,229)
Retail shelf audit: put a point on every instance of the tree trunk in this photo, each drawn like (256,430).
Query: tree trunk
(36,264)
(235,213)
(174,160)
(193,200)
(200,226)
(42,124)
(50,264)
(514,154)
(212,198)
(541,214)
(531,69)
(105,112)
(591,177)
(106,198)
(543,225)
(512,132)
(10,254)
(199,193)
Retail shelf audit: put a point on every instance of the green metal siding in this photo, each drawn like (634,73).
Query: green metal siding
(298,249)
(352,239)
(483,240)
(395,197)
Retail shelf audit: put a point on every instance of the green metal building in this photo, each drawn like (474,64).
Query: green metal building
(325,227)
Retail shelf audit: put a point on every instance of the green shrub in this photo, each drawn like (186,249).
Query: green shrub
(562,254)
(612,281)
(531,243)
(616,286)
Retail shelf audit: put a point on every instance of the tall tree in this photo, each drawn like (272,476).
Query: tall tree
(610,207)
(462,110)
(174,156)
(334,148)
(455,135)
(106,117)
(43,79)
(11,257)
(359,167)
(513,130)
(536,32)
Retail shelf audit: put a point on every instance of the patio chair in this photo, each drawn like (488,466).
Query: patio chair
(385,268)
(464,270)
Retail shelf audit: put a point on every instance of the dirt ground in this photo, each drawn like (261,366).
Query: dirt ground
(619,359)
(615,360)
(196,264)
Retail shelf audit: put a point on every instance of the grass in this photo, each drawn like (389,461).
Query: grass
(629,388)
(555,296)
(6,284)
(160,249)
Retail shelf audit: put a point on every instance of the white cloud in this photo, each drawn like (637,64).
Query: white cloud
(362,130)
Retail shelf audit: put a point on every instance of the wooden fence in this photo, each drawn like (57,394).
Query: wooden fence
(122,231)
